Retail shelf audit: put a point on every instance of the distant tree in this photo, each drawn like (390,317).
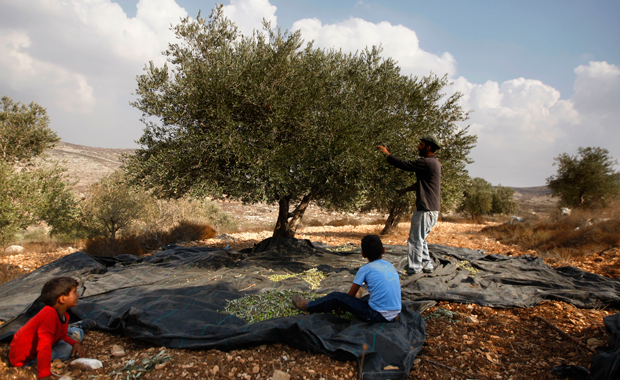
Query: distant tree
(111,205)
(24,131)
(503,201)
(33,190)
(478,198)
(481,198)
(586,179)
(265,119)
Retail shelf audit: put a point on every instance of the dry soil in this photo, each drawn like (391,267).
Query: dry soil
(476,343)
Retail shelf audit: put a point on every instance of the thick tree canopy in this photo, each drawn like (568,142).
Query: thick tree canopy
(587,179)
(481,198)
(266,119)
(24,132)
(36,191)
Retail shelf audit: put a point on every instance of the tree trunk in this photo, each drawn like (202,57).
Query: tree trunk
(283,228)
(299,212)
(396,213)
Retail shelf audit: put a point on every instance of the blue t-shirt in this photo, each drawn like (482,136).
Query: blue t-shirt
(383,285)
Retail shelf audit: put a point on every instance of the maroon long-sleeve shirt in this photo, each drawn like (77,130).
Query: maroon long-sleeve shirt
(36,338)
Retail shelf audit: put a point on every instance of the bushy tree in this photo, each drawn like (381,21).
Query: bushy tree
(586,179)
(264,118)
(24,131)
(481,198)
(503,201)
(33,190)
(478,198)
(111,205)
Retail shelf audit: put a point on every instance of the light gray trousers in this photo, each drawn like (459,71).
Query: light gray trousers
(417,249)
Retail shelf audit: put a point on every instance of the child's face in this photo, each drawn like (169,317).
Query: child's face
(71,300)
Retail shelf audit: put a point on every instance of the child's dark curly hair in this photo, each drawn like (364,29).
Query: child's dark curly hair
(56,287)
(372,247)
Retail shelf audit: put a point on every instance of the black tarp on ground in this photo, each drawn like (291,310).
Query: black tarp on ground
(173,297)
(605,365)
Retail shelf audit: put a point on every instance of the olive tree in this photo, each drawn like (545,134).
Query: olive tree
(481,198)
(33,189)
(24,131)
(265,118)
(111,205)
(586,179)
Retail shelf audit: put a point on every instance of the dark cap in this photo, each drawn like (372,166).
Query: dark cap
(432,140)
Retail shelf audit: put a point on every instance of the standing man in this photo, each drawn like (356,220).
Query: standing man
(428,195)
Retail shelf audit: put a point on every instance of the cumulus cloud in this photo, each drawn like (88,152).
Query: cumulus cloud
(66,90)
(522,124)
(597,88)
(79,59)
(516,107)
(597,99)
(398,42)
(519,123)
(248,15)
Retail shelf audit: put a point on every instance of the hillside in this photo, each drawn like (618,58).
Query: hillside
(87,164)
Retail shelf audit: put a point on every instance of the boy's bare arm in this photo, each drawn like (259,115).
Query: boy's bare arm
(78,350)
(353,290)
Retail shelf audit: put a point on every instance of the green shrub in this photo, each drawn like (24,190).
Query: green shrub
(481,198)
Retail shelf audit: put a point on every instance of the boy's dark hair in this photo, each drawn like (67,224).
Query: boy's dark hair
(56,287)
(372,247)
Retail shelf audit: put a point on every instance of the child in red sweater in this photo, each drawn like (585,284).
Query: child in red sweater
(46,336)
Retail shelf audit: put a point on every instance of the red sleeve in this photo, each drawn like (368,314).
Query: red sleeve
(45,332)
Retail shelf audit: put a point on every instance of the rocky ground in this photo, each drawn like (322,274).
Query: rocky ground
(464,341)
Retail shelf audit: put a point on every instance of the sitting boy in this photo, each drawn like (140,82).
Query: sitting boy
(46,336)
(383,285)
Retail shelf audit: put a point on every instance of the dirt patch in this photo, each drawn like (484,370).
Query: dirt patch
(464,341)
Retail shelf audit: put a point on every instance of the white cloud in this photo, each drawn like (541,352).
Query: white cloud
(398,42)
(248,15)
(597,99)
(79,59)
(597,88)
(138,39)
(519,124)
(522,124)
(68,91)
(523,108)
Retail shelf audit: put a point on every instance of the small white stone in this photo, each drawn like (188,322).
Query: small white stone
(86,364)
(14,249)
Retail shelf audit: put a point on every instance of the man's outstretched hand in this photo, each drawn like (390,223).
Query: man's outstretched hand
(383,150)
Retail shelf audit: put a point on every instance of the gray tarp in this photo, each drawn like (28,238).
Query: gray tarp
(175,297)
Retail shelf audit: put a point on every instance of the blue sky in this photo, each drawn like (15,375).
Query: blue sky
(542,77)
